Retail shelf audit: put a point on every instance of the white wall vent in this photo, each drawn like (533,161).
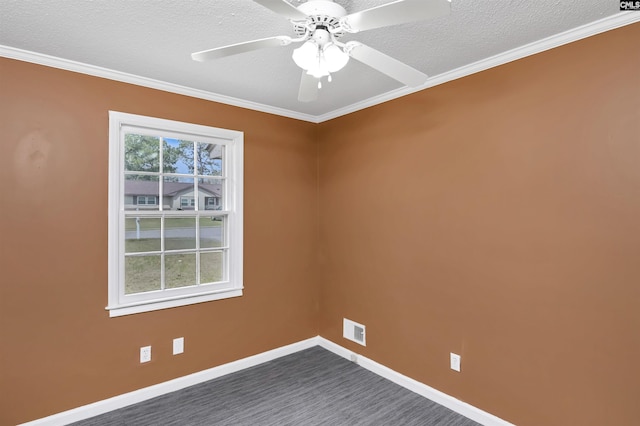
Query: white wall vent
(354,332)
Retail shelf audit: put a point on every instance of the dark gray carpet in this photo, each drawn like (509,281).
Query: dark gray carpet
(308,388)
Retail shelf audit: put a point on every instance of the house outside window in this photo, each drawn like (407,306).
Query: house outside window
(147,200)
(187,202)
(212,203)
(167,246)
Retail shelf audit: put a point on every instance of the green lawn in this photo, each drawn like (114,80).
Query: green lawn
(142,273)
(177,222)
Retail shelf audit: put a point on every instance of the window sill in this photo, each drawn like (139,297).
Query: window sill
(155,305)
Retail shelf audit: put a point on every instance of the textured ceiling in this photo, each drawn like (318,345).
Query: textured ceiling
(154,39)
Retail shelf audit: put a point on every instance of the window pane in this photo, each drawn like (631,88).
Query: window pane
(180,270)
(211,269)
(141,192)
(179,233)
(178,156)
(175,191)
(142,234)
(210,159)
(141,274)
(141,153)
(212,232)
(210,194)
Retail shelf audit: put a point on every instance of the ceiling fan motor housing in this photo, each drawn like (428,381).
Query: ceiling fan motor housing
(321,13)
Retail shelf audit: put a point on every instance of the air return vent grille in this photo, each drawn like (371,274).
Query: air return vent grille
(354,332)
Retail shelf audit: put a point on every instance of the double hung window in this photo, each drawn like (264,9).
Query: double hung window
(167,246)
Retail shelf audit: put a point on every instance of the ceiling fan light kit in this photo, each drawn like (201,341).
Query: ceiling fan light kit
(320,58)
(320,23)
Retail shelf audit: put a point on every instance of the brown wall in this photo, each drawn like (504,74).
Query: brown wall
(497,217)
(59,348)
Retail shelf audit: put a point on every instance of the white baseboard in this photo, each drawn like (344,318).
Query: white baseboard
(434,395)
(144,394)
(140,395)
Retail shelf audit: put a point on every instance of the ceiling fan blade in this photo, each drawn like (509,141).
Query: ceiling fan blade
(284,8)
(234,49)
(397,12)
(308,88)
(385,64)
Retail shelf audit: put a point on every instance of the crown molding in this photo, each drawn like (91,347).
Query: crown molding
(606,24)
(82,68)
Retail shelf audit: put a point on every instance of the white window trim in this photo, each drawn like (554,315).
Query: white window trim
(119,304)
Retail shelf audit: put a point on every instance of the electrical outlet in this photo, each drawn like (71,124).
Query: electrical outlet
(178,345)
(145,354)
(455,362)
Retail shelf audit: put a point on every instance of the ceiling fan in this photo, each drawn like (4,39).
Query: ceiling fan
(319,24)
